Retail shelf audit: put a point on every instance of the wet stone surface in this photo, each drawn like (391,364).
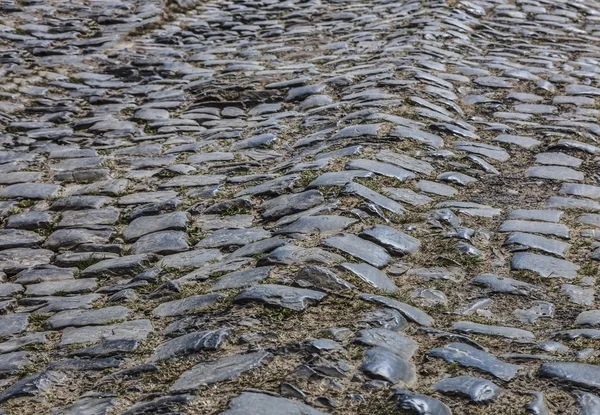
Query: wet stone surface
(303,207)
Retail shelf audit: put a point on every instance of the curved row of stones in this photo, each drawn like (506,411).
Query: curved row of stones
(299,207)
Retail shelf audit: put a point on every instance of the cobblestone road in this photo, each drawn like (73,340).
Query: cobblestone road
(299,207)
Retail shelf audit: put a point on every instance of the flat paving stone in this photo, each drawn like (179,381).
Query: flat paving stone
(225,368)
(395,241)
(78,318)
(380,363)
(360,248)
(189,343)
(468,356)
(475,389)
(281,296)
(579,374)
(544,266)
(128,330)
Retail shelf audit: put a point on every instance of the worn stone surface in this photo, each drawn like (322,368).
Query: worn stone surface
(348,185)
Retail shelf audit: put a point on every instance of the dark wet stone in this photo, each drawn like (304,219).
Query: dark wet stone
(33,385)
(469,356)
(186,305)
(399,344)
(475,389)
(579,374)
(128,330)
(263,403)
(408,311)
(360,248)
(418,404)
(224,368)
(189,343)
(395,241)
(282,296)
(371,276)
(78,318)
(544,266)
(506,332)
(321,278)
(380,363)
